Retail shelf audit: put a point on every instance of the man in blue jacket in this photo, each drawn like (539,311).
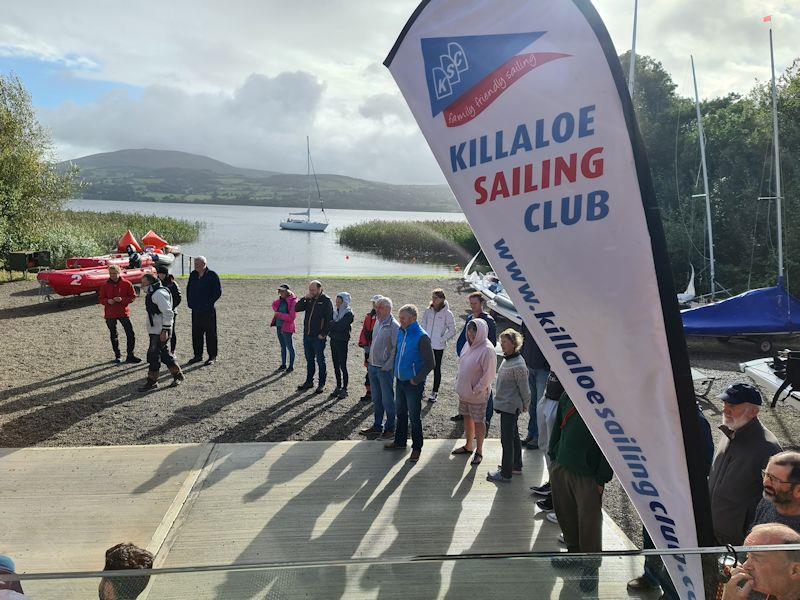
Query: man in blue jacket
(412,363)
(202,292)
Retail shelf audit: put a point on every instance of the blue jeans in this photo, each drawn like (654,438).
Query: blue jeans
(409,406)
(489,410)
(314,348)
(537,380)
(380,383)
(287,345)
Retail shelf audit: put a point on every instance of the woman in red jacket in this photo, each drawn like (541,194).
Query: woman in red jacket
(116,294)
(283,321)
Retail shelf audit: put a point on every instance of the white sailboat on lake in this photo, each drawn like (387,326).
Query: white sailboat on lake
(301,220)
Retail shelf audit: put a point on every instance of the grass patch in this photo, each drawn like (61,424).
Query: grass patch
(425,241)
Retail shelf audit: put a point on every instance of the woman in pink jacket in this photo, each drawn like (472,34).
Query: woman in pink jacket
(283,321)
(477,366)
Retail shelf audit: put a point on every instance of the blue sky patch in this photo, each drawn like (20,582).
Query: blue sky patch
(51,83)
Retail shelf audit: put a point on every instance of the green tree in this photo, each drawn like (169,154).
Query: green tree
(32,191)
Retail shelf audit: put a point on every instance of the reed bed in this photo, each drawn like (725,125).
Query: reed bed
(89,233)
(429,241)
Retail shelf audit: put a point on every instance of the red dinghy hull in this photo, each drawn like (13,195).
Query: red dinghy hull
(121,260)
(73,282)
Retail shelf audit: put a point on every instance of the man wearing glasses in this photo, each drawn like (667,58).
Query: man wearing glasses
(735,482)
(781,501)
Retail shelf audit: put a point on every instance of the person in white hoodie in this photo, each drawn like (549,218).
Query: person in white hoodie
(439,323)
(160,318)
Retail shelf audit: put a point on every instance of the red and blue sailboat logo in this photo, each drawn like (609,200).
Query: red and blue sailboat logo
(467,74)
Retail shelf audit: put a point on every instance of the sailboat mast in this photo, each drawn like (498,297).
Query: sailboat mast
(705,180)
(778,195)
(308,176)
(632,69)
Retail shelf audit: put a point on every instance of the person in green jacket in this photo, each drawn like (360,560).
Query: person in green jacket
(578,476)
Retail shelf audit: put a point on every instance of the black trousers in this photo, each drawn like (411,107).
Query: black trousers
(512,447)
(157,353)
(437,369)
(204,325)
(130,337)
(173,341)
(339,356)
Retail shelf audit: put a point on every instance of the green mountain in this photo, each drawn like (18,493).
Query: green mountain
(145,175)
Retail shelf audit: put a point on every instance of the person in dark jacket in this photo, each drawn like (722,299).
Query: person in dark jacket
(134,258)
(655,573)
(116,295)
(168,281)
(365,341)
(578,478)
(538,371)
(412,363)
(476,312)
(202,293)
(341,323)
(316,323)
(735,480)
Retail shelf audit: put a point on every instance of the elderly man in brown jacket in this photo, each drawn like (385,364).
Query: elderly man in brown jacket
(735,479)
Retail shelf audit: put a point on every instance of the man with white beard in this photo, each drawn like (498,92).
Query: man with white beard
(743,451)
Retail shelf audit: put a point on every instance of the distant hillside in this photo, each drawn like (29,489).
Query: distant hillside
(169,176)
(145,158)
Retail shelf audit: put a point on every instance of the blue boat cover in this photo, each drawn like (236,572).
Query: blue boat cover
(763,311)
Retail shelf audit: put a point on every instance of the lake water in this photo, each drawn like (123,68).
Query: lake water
(248,239)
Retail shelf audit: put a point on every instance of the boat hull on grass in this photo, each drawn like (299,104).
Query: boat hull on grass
(761,371)
(121,260)
(74,282)
(304,225)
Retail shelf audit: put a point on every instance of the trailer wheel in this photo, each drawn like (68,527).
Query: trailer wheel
(765,345)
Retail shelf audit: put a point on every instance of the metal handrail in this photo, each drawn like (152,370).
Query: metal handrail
(723,550)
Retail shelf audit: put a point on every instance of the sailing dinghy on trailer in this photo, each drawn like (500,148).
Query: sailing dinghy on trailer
(760,314)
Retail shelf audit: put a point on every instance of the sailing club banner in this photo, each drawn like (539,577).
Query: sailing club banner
(526,110)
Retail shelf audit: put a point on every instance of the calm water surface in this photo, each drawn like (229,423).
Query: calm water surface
(247,239)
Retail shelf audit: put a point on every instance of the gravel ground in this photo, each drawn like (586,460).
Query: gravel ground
(58,386)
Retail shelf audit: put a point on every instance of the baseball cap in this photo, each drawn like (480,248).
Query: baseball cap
(376,297)
(163,270)
(284,287)
(740,393)
(6,564)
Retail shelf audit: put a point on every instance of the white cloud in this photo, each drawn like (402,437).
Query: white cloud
(245,81)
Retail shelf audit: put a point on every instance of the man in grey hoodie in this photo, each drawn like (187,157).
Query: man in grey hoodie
(381,371)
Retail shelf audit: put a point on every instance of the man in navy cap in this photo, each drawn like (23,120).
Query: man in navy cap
(743,451)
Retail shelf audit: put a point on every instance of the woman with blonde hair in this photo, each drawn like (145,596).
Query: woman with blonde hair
(440,325)
(476,371)
(512,396)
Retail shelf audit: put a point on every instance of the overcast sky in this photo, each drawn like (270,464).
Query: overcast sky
(245,80)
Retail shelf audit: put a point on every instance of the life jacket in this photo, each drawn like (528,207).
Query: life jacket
(150,306)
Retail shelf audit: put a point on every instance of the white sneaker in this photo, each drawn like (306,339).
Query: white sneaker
(561,538)
(551,516)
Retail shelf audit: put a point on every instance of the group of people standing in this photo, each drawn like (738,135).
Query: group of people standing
(162,295)
(753,485)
